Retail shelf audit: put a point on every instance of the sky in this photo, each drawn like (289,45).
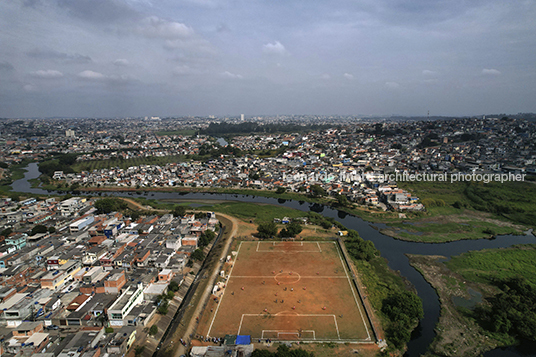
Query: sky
(132,58)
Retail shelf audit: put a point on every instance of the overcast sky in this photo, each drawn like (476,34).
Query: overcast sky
(107,58)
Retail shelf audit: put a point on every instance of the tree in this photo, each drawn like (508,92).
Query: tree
(342,200)
(39,229)
(179,211)
(198,255)
(173,286)
(267,229)
(206,237)
(153,330)
(51,229)
(138,350)
(317,191)
(292,230)
(6,232)
(108,205)
(280,190)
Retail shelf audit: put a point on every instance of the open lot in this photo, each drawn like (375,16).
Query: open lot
(297,291)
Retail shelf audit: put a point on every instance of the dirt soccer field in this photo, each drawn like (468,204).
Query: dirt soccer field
(298,291)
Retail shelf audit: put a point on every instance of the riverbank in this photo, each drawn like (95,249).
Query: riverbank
(437,225)
(464,282)
(456,334)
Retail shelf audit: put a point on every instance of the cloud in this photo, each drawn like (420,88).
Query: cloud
(29,88)
(45,53)
(6,66)
(90,75)
(427,72)
(182,70)
(275,48)
(392,85)
(348,76)
(325,76)
(121,62)
(223,28)
(100,11)
(491,72)
(47,74)
(228,74)
(155,27)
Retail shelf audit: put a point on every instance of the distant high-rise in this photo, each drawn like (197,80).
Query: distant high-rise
(69,133)
(242,117)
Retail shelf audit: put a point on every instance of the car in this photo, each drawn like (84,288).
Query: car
(52,327)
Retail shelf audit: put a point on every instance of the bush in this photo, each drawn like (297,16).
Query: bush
(173,286)
(292,230)
(138,350)
(198,255)
(109,330)
(153,330)
(267,230)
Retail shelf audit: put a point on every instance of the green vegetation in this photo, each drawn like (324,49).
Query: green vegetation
(183,132)
(153,330)
(62,162)
(206,237)
(6,232)
(512,311)
(247,210)
(383,287)
(179,211)
(511,200)
(173,286)
(507,276)
(108,205)
(359,248)
(404,309)
(39,228)
(291,230)
(282,351)
(14,172)
(198,255)
(267,229)
(251,127)
(163,303)
(109,330)
(492,265)
(317,191)
(138,350)
(443,230)
(125,163)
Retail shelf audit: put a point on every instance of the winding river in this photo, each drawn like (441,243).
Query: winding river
(392,249)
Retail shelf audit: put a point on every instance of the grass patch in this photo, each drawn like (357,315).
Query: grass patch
(379,279)
(487,266)
(257,212)
(514,201)
(125,164)
(183,132)
(445,231)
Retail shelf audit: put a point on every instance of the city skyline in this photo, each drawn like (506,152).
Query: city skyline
(111,58)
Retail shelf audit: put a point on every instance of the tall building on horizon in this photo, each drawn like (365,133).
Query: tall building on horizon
(242,117)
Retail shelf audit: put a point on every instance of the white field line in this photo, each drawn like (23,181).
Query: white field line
(336,326)
(353,292)
(289,332)
(219,303)
(299,244)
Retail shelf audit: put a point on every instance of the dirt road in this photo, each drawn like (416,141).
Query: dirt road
(231,228)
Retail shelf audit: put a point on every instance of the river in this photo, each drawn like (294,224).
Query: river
(392,249)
